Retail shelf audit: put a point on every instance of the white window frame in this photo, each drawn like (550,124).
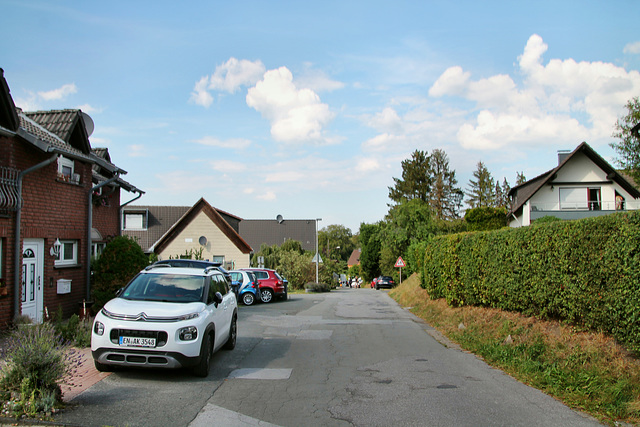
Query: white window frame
(143,220)
(68,163)
(68,253)
(573,198)
(97,248)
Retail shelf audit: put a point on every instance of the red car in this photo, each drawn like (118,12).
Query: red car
(271,284)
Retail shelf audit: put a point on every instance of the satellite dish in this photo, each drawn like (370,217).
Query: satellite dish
(88,123)
(280,219)
(202,240)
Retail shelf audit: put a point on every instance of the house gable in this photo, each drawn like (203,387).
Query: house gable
(8,115)
(214,217)
(580,170)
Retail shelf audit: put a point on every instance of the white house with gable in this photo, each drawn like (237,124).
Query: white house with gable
(582,185)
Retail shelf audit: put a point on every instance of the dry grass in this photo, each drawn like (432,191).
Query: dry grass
(586,370)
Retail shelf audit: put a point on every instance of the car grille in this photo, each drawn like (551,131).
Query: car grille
(160,336)
(141,317)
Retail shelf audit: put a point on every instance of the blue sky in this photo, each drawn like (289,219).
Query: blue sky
(306,109)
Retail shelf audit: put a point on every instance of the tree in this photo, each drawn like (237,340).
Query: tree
(121,259)
(502,194)
(406,223)
(336,242)
(416,179)
(370,256)
(481,192)
(520,178)
(628,146)
(445,198)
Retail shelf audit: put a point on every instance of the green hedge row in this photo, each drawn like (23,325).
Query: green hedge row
(586,272)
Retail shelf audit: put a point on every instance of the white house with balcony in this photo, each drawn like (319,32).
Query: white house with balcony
(582,185)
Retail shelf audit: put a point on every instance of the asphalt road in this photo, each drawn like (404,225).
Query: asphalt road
(352,357)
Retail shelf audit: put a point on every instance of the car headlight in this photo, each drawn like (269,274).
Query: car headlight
(98,328)
(189,333)
(188,316)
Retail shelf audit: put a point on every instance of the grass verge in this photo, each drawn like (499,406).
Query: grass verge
(585,370)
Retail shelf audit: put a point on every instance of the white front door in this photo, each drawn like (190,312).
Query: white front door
(32,293)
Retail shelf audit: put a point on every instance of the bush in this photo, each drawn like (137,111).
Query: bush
(37,361)
(585,272)
(73,331)
(120,261)
(316,287)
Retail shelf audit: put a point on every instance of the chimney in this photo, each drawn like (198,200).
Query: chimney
(562,155)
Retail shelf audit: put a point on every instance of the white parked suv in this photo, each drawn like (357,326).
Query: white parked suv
(166,317)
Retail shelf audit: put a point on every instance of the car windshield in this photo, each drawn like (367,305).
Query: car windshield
(165,287)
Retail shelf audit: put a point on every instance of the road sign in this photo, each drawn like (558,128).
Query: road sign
(317,258)
(400,263)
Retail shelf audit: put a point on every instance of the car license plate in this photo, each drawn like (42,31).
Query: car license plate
(137,342)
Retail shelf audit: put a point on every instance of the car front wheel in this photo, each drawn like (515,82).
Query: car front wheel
(266,295)
(202,368)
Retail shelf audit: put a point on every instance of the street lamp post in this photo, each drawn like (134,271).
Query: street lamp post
(317,254)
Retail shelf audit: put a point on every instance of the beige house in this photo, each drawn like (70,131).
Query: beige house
(203,231)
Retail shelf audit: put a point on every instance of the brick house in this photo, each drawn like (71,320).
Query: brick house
(59,203)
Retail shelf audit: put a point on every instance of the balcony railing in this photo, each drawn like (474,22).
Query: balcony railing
(586,206)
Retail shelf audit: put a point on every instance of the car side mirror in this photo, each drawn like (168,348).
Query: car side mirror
(217,298)
(119,291)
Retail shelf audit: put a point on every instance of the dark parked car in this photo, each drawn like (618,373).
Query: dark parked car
(385,282)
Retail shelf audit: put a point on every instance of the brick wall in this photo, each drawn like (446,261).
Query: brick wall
(52,210)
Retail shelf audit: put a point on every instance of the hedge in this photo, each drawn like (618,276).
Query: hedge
(585,272)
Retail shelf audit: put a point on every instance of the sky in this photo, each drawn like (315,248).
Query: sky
(307,109)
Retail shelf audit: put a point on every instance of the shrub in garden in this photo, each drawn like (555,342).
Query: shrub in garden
(120,261)
(37,362)
(316,287)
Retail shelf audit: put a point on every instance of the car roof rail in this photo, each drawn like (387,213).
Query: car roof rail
(211,268)
(152,266)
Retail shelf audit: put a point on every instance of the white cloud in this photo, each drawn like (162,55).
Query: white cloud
(632,48)
(233,74)
(296,115)
(228,166)
(267,196)
(284,176)
(86,108)
(367,165)
(317,80)
(200,96)
(228,77)
(60,93)
(452,82)
(233,143)
(137,150)
(386,121)
(562,100)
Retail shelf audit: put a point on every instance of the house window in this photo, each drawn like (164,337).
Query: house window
(65,168)
(134,221)
(68,253)
(594,199)
(573,198)
(218,258)
(96,249)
